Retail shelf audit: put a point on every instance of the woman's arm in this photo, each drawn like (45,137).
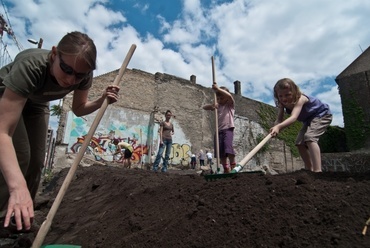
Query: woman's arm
(81,106)
(20,202)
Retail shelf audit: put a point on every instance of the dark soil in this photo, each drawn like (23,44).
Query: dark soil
(107,206)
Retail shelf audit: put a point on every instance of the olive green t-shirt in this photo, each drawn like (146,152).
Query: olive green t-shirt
(29,76)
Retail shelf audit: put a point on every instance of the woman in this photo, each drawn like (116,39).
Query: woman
(35,77)
(166,131)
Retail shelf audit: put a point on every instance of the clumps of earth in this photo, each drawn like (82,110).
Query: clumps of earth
(108,206)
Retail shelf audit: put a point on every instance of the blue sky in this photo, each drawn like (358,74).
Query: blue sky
(137,11)
(256,42)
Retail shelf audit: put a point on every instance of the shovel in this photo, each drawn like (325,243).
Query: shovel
(49,218)
(243,162)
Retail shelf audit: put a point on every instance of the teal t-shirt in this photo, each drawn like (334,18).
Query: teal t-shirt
(29,76)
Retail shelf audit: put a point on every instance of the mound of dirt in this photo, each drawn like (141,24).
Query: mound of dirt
(107,206)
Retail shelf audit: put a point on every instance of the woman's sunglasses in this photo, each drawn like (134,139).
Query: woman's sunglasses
(69,70)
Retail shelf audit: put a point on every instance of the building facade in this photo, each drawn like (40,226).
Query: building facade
(135,118)
(354,90)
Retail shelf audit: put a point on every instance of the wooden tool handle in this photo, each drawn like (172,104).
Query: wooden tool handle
(365,227)
(213,71)
(216,117)
(255,150)
(364,231)
(49,218)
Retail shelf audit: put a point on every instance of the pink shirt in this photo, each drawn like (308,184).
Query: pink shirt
(226,116)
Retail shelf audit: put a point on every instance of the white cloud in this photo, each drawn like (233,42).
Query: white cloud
(333,99)
(142,7)
(256,42)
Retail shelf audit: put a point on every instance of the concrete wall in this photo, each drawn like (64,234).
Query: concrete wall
(145,97)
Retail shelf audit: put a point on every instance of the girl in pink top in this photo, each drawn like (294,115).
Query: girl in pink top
(226,108)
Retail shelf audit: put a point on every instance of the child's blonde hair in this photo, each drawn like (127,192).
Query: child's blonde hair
(287,83)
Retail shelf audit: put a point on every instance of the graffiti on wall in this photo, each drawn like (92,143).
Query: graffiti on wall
(180,153)
(105,147)
(119,126)
(334,165)
(346,163)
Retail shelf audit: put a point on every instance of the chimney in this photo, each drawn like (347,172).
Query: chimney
(237,89)
(193,79)
(157,76)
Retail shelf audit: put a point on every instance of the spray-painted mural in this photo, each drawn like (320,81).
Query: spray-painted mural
(350,162)
(105,147)
(123,125)
(180,154)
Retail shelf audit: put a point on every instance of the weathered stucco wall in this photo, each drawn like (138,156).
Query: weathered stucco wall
(145,97)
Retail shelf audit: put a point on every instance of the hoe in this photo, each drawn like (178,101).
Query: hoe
(242,163)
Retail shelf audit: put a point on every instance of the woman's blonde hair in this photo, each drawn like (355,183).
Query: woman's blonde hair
(80,45)
(287,83)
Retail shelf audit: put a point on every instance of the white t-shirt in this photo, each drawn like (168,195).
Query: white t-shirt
(209,155)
